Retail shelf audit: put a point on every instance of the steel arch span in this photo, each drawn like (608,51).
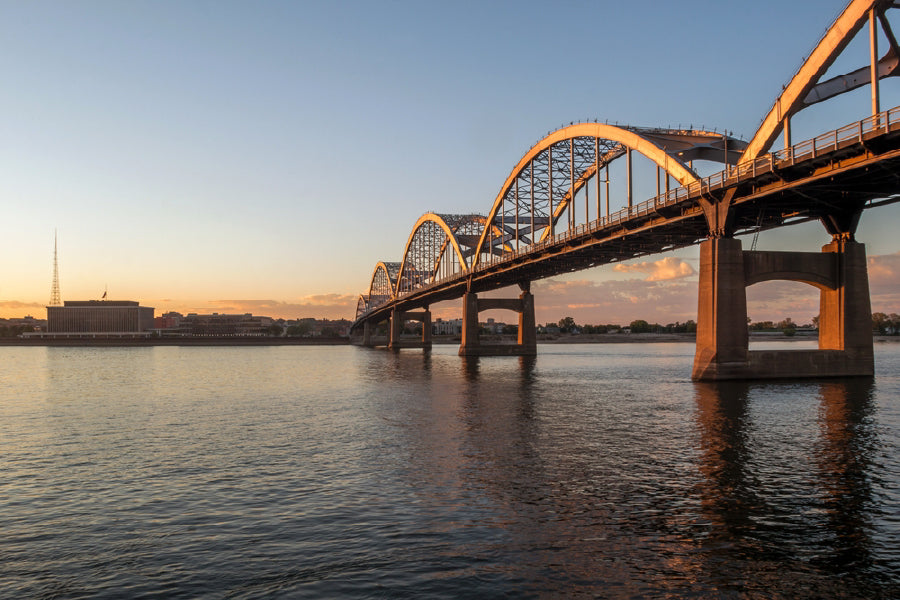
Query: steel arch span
(440,246)
(381,286)
(542,187)
(805,89)
(362,305)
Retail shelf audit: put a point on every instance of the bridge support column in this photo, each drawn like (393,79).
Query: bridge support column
(396,326)
(527,331)
(399,317)
(845,320)
(426,328)
(845,312)
(469,343)
(722,337)
(366,337)
(527,338)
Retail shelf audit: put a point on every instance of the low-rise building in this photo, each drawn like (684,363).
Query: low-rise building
(169,320)
(442,327)
(99,317)
(223,325)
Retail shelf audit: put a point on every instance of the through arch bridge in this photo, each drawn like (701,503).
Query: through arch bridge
(553,215)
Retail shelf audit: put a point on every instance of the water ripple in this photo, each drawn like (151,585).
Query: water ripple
(293,472)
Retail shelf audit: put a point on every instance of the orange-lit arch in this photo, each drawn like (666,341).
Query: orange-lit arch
(434,260)
(630,138)
(382,284)
(803,89)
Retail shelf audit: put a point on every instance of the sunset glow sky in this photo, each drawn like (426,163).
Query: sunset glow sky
(218,156)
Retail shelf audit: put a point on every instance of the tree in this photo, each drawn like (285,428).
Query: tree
(566,324)
(894,323)
(299,329)
(639,326)
(275,329)
(879,322)
(788,327)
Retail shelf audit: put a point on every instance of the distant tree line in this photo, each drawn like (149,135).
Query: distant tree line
(882,323)
(11,331)
(568,325)
(886,324)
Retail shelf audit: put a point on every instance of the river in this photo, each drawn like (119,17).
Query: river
(593,470)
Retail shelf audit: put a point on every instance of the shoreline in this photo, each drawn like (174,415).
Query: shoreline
(197,341)
(592,338)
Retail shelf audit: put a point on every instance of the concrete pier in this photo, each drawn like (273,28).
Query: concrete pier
(845,320)
(398,318)
(527,339)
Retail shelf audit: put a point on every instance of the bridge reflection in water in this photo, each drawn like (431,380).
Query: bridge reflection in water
(593,482)
(748,496)
(553,215)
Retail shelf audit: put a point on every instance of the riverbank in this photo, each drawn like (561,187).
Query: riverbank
(180,341)
(589,338)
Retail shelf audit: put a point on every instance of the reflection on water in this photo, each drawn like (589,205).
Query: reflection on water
(789,500)
(588,471)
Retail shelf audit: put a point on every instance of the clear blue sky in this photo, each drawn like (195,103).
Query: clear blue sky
(210,155)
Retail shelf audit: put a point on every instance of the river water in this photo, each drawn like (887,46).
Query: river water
(341,472)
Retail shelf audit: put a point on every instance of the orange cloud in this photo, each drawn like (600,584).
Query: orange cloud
(615,301)
(885,267)
(884,282)
(320,306)
(328,306)
(10,309)
(777,300)
(665,269)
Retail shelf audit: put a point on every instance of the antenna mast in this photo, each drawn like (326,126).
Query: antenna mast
(54,289)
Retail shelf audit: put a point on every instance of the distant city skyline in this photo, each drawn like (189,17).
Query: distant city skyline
(223,157)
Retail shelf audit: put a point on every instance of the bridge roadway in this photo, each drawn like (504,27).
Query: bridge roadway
(837,173)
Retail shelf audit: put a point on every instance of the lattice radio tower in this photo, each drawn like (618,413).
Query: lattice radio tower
(54,289)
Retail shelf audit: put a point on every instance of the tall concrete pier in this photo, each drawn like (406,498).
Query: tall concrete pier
(845,319)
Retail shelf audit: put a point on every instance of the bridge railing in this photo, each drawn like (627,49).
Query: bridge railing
(832,141)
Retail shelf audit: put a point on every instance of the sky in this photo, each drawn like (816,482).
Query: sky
(221,156)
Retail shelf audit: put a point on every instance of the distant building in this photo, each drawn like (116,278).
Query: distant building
(23,326)
(107,317)
(312,327)
(169,320)
(493,326)
(441,327)
(26,323)
(224,325)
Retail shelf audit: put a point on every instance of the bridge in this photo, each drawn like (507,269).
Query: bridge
(552,216)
